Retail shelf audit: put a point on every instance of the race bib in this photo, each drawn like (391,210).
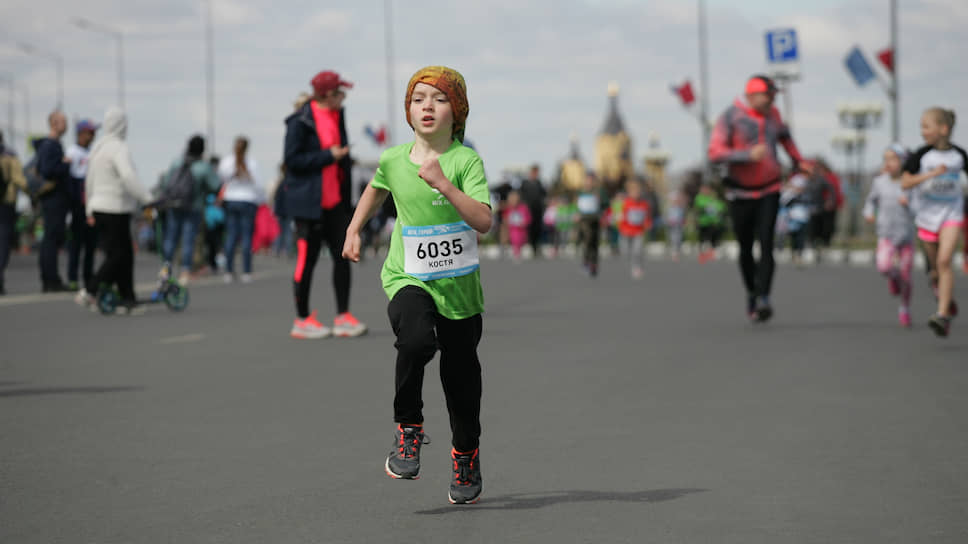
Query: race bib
(588,204)
(635,218)
(516,219)
(440,251)
(944,187)
(801,214)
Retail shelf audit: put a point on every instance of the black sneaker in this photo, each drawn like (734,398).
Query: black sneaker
(940,325)
(466,486)
(763,310)
(404,460)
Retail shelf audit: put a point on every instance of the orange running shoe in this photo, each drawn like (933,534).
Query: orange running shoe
(309,328)
(346,326)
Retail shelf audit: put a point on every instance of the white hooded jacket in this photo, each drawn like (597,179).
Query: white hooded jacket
(112,184)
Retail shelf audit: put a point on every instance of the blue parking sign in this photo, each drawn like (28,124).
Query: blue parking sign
(781,45)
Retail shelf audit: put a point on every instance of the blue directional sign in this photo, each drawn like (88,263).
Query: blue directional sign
(781,45)
(858,66)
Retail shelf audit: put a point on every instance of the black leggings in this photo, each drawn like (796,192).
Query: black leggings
(590,229)
(420,332)
(755,219)
(310,235)
(114,232)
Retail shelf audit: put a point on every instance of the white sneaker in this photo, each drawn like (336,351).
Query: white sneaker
(309,328)
(228,278)
(184,278)
(246,278)
(84,299)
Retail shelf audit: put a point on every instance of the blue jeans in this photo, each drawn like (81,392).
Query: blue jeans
(239,224)
(285,241)
(183,224)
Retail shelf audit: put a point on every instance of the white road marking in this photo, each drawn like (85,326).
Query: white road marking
(184,339)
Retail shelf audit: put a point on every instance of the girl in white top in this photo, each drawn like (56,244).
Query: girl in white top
(240,195)
(934,174)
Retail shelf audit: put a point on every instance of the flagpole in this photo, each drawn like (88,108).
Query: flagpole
(895,93)
(703,86)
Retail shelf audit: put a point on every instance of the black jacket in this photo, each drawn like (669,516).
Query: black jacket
(51,165)
(305,160)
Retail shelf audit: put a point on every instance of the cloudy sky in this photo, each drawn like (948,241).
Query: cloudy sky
(537,71)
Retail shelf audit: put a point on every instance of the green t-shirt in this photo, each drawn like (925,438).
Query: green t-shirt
(419,205)
(710,210)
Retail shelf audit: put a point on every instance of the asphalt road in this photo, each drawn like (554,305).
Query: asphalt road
(614,411)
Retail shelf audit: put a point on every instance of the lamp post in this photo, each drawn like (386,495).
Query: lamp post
(10,100)
(851,143)
(59,63)
(115,33)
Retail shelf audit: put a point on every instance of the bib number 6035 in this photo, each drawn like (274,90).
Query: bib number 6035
(443,248)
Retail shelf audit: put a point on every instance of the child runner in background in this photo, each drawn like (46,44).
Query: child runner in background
(635,219)
(794,215)
(565,220)
(710,220)
(548,220)
(675,219)
(591,203)
(888,202)
(517,217)
(933,171)
(432,274)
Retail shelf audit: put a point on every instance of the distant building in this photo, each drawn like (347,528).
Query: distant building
(613,149)
(571,172)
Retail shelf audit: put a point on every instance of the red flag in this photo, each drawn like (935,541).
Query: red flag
(685,94)
(887,59)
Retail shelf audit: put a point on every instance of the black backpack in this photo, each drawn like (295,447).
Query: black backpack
(179,193)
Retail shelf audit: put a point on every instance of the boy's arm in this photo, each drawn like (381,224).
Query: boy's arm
(370,201)
(477,214)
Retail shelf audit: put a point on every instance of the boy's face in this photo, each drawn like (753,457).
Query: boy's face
(430,111)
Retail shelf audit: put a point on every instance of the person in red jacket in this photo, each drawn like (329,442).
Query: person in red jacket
(745,139)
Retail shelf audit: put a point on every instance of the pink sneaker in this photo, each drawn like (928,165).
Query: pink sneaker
(904,317)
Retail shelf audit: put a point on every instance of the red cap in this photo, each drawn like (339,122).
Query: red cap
(760,84)
(328,81)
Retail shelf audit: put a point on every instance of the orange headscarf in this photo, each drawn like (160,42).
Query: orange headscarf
(451,83)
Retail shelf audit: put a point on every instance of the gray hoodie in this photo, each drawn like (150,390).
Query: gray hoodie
(894,220)
(112,184)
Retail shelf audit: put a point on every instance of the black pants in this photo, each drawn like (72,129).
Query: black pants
(755,220)
(8,221)
(310,234)
(420,332)
(213,243)
(114,231)
(82,246)
(711,234)
(536,229)
(590,232)
(54,208)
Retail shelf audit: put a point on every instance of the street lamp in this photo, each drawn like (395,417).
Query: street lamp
(58,60)
(115,33)
(10,100)
(851,142)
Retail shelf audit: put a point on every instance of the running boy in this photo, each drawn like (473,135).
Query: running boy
(432,273)
(933,171)
(710,218)
(895,233)
(592,202)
